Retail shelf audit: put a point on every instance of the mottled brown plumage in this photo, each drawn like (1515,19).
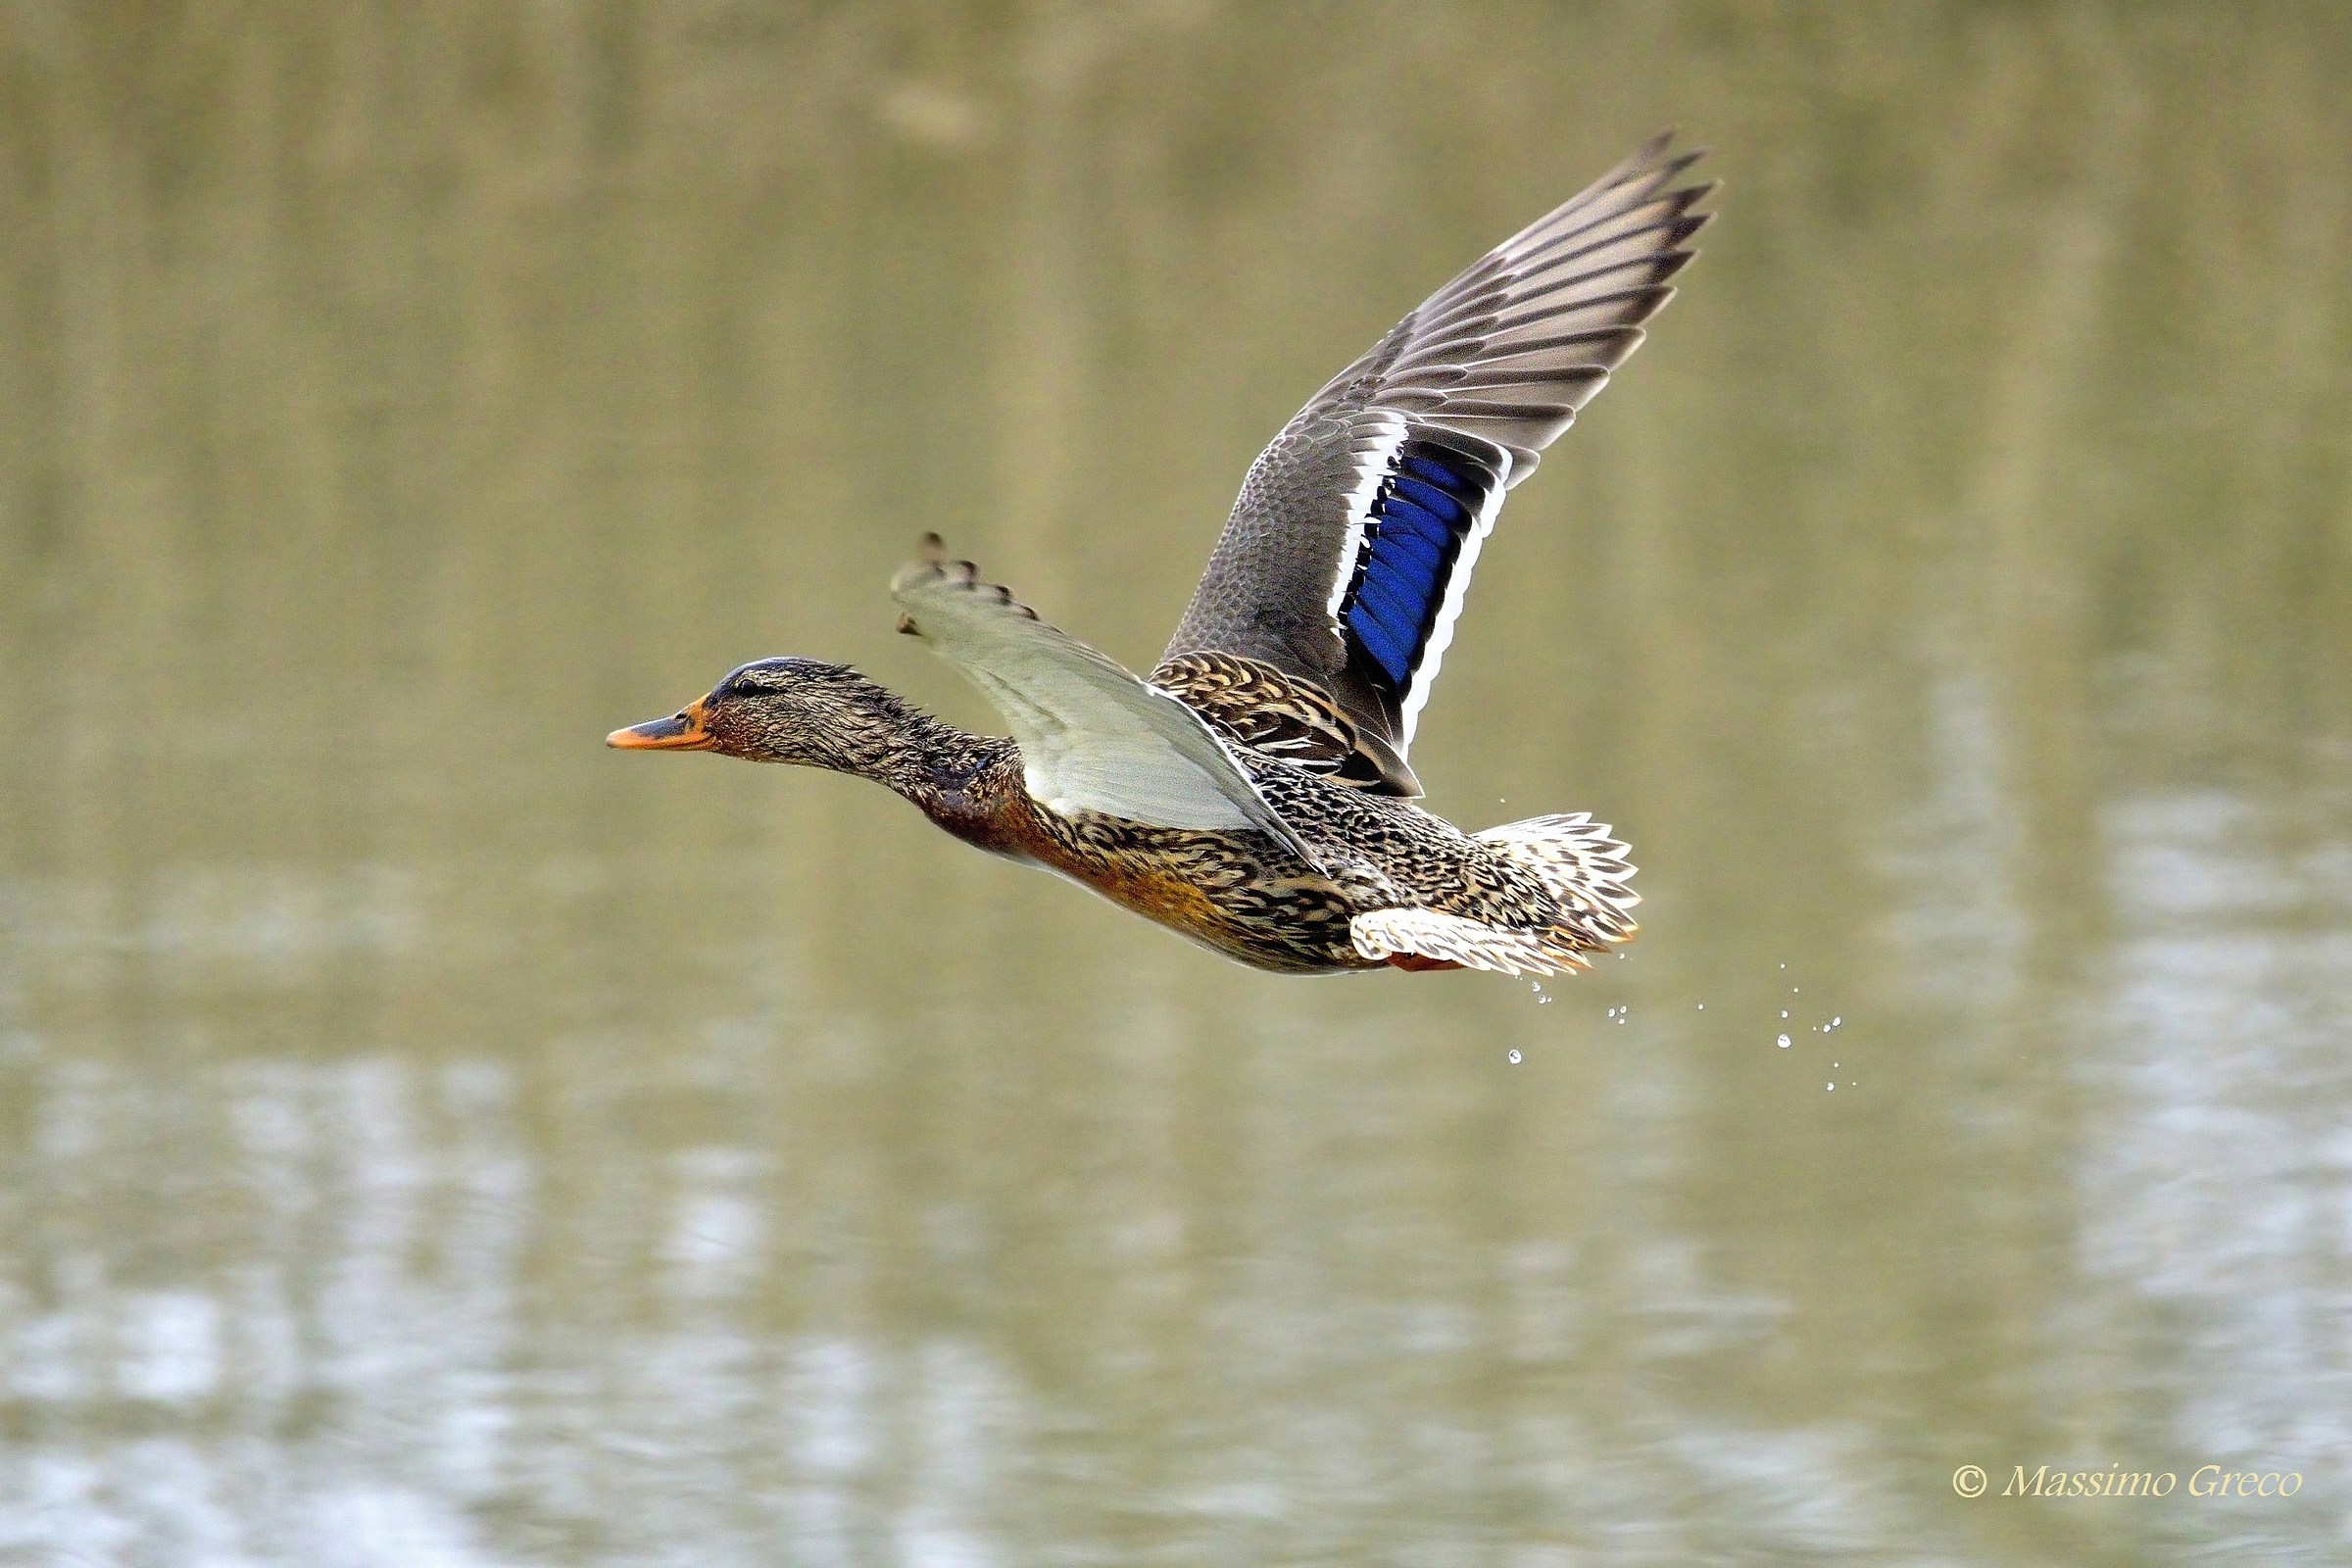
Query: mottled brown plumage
(1238,891)
(1254,705)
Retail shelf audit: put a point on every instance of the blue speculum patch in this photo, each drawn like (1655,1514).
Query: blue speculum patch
(1412,541)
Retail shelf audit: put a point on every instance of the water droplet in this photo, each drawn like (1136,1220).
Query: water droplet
(1784,967)
(1542,1001)
(1831,1086)
(1784,1012)
(1834,1022)
(1514,1059)
(1702,1006)
(1537,986)
(1784,1042)
(1797,990)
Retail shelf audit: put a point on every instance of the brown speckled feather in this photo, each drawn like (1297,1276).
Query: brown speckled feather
(1254,705)
(1254,899)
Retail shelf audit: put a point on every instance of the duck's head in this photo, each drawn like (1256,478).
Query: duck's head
(780,711)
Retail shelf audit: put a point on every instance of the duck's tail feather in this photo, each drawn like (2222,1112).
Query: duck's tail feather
(1578,862)
(1431,939)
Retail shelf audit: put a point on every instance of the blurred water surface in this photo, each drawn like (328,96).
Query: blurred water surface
(427,1137)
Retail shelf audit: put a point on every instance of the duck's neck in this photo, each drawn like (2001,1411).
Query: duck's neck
(946,772)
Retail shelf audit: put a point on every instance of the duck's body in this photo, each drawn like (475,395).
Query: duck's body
(1254,793)
(1557,884)
(1253,897)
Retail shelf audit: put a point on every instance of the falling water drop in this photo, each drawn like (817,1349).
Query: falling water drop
(1784,1012)
(1831,1086)
(1514,1059)
(1784,1042)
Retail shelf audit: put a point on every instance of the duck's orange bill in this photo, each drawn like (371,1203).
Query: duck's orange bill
(680,732)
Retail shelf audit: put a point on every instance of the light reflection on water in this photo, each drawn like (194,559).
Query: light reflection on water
(428,1139)
(353,1318)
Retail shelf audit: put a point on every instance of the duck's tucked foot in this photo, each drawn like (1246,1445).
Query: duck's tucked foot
(1414,963)
(1578,863)
(1454,940)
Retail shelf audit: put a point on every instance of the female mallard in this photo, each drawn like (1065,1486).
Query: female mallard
(1253,794)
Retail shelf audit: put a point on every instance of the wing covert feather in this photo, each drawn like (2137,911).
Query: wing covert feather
(1093,737)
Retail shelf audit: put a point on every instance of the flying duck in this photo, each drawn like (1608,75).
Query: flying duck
(1255,792)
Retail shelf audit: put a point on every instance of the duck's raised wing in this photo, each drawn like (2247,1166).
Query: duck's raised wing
(1093,737)
(1345,558)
